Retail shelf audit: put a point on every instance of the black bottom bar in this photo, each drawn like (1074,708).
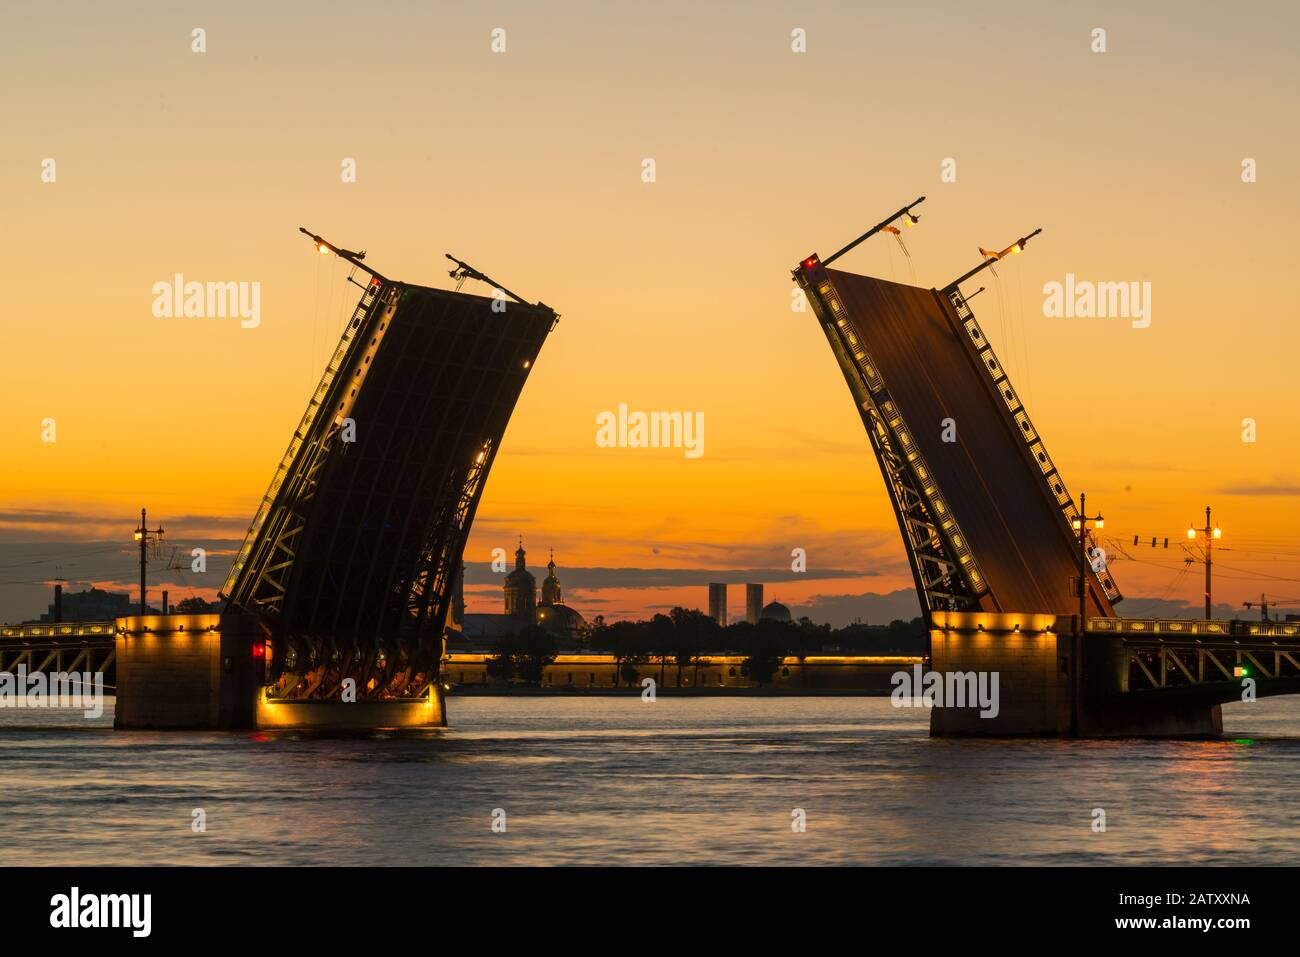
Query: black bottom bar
(918,907)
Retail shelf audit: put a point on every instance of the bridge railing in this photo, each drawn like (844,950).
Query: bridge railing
(1188,627)
(61,629)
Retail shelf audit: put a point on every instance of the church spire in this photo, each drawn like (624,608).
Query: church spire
(520,588)
(551,592)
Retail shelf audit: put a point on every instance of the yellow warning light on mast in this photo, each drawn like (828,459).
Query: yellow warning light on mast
(1014,248)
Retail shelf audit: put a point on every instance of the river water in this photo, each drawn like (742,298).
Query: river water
(678,781)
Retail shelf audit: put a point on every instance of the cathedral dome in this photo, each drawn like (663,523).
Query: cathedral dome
(560,620)
(776,611)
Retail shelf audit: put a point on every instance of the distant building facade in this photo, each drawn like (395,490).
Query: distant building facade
(93,604)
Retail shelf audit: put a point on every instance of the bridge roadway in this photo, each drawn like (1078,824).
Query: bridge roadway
(1167,658)
(934,373)
(88,646)
(1206,661)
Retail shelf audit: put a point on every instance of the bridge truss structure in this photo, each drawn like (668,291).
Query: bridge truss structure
(60,647)
(985,516)
(1206,660)
(351,559)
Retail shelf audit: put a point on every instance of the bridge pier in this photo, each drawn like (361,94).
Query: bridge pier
(207,672)
(427,711)
(1032,658)
(186,671)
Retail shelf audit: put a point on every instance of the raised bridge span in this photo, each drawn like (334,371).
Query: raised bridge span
(1001,555)
(338,599)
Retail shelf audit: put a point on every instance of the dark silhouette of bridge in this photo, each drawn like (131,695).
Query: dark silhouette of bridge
(995,541)
(351,560)
(350,563)
(341,591)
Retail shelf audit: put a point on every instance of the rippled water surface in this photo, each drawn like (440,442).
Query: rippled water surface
(616,780)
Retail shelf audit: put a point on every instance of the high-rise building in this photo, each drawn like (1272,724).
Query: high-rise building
(718,602)
(753,603)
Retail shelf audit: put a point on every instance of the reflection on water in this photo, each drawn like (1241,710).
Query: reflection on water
(617,780)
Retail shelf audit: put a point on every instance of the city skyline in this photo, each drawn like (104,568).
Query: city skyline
(656,590)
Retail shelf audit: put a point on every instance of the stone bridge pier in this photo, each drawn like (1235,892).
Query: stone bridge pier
(1033,658)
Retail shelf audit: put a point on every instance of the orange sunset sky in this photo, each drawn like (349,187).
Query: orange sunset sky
(673,295)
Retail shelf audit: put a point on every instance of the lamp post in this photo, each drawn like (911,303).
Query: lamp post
(1080,525)
(1211,532)
(142,535)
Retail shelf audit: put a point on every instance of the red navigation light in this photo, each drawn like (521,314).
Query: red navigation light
(375,281)
(810,262)
(259,650)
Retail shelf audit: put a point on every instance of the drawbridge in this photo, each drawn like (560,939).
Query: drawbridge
(350,562)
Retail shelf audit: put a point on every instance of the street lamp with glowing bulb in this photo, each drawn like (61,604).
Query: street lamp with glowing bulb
(142,535)
(1211,532)
(1080,525)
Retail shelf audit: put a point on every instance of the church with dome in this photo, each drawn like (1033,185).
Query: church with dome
(523,607)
